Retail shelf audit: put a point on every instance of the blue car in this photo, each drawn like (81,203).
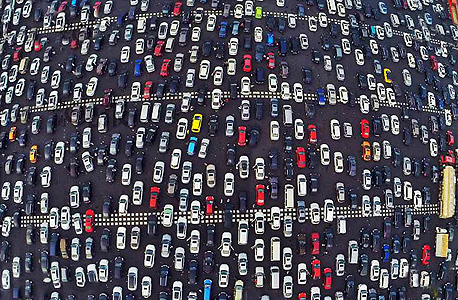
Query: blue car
(138,68)
(235,28)
(321,98)
(270,39)
(386,253)
(192,145)
(207,289)
(223,29)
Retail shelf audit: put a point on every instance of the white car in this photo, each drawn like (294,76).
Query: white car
(335,129)
(211,22)
(287,260)
(359,57)
(103,270)
(338,162)
(275,215)
(167,215)
(258,250)
(288,286)
(126,174)
(315,213)
(175,159)
(258,34)
(299,129)
(149,256)
(301,185)
(45,179)
(328,209)
(223,276)
(91,86)
(274,130)
(226,242)
(433,147)
(197,184)
(137,192)
(121,236)
(125,54)
(229,184)
(179,258)
(218,75)
(233,46)
(407,77)
(231,67)
(204,70)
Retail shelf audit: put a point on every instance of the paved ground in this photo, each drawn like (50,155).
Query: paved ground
(61,182)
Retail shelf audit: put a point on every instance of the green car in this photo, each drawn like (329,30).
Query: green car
(258,12)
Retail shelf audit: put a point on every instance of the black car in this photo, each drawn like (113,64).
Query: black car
(118,267)
(111,171)
(365,238)
(139,162)
(193,272)
(259,109)
(202,94)
(105,240)
(242,201)
(229,207)
(288,143)
(363,264)
(254,136)
(312,158)
(164,275)
(308,75)
(122,80)
(208,262)
(87,191)
(349,285)
(152,225)
(230,153)
(44,261)
(273,155)
(31,176)
(213,125)
(396,246)
(289,169)
(30,205)
(375,245)
(207,48)
(112,68)
(210,235)
(329,238)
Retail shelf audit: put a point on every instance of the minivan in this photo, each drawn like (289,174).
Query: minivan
(169,45)
(275,250)
(287,116)
(341,225)
(275,277)
(156,114)
(144,114)
(289,196)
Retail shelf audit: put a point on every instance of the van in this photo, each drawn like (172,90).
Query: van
(332,9)
(287,116)
(24,65)
(156,114)
(259,279)
(144,113)
(289,196)
(169,44)
(275,277)
(414,278)
(275,250)
(353,250)
(341,225)
(63,248)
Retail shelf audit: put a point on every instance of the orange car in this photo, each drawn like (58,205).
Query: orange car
(33,154)
(12,134)
(366,148)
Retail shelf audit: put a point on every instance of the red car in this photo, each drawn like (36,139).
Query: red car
(107,98)
(365,129)
(315,243)
(147,89)
(177,9)
(62,6)
(426,255)
(434,62)
(450,138)
(89,220)
(260,195)
(247,63)
(316,269)
(96,8)
(154,197)
(302,296)
(37,46)
(447,159)
(312,134)
(17,54)
(74,44)
(271,60)
(300,154)
(158,49)
(165,67)
(327,279)
(242,136)
(209,205)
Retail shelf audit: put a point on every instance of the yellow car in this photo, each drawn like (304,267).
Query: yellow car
(33,154)
(258,14)
(387,75)
(196,123)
